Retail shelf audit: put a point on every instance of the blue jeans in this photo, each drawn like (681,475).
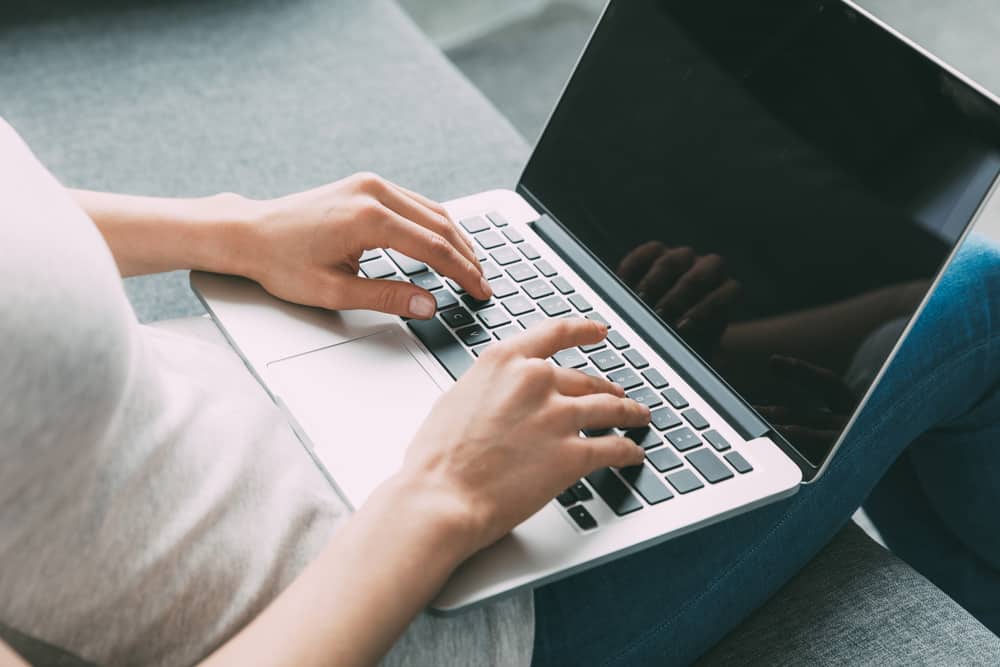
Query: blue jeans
(931,429)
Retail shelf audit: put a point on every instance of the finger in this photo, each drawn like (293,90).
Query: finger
(607,451)
(665,272)
(396,232)
(597,411)
(715,307)
(704,276)
(435,219)
(571,382)
(828,384)
(637,262)
(549,337)
(387,296)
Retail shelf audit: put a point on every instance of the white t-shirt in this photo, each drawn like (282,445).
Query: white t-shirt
(152,499)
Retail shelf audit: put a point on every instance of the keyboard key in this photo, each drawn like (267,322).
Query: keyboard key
(474,335)
(518,305)
(613,492)
(694,418)
(491,270)
(645,437)
(597,317)
(607,360)
(497,219)
(737,461)
(445,299)
(597,432)
(647,483)
(369,255)
(580,303)
(529,251)
(591,371)
(683,439)
(655,378)
(566,498)
(592,348)
(457,317)
(545,268)
(625,377)
(664,418)
(478,252)
(581,491)
(493,317)
(503,287)
(537,289)
(554,306)
(635,358)
(664,459)
(709,465)
(454,286)
(570,358)
(503,333)
(674,398)
(442,345)
(684,481)
(479,349)
(716,440)
(521,272)
(647,397)
(504,256)
(489,240)
(562,285)
(582,517)
(406,265)
(475,224)
(617,340)
(378,268)
(427,280)
(530,320)
(475,304)
(513,235)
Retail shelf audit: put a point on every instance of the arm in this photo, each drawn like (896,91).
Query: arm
(304,247)
(8,658)
(454,496)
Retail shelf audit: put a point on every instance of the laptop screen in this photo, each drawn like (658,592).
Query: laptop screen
(780,182)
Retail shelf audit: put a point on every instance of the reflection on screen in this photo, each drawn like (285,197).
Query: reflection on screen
(779,181)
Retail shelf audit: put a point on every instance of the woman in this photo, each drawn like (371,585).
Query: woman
(156,509)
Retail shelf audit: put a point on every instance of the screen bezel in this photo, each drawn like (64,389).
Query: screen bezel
(810,472)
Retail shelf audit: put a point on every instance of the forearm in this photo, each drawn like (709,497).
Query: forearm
(351,604)
(150,234)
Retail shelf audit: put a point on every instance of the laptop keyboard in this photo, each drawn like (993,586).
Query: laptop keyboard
(683,452)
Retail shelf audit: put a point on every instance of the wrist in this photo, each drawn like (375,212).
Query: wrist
(452,524)
(228,227)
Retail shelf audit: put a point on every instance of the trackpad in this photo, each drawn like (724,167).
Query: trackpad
(358,405)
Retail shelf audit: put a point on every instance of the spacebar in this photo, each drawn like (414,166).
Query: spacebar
(442,345)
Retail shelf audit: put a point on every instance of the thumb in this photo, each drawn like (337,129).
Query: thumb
(388,296)
(613,450)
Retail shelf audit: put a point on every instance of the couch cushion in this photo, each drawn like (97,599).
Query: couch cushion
(857,604)
(261,97)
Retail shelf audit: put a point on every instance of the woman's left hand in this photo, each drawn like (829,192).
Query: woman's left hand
(307,247)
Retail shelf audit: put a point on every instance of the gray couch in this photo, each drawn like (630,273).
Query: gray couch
(266,97)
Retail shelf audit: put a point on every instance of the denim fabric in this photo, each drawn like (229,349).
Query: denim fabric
(669,604)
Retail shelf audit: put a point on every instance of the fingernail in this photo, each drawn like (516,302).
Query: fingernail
(486,286)
(422,306)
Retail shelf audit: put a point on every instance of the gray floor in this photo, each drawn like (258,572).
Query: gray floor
(523,67)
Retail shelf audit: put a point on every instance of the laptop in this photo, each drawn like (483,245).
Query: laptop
(758,198)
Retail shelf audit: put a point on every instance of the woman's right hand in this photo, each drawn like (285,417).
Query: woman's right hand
(505,439)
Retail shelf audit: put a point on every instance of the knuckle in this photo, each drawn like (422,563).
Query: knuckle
(370,210)
(438,247)
(367,181)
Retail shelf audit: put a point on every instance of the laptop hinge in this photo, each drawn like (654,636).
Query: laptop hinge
(658,335)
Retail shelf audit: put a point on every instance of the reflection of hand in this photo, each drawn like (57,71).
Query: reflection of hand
(813,404)
(692,293)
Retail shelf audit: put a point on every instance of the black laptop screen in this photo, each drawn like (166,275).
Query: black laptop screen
(780,181)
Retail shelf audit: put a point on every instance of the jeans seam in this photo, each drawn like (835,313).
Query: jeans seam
(714,583)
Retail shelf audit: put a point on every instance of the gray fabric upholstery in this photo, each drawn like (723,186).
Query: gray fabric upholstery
(857,604)
(261,97)
(265,97)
